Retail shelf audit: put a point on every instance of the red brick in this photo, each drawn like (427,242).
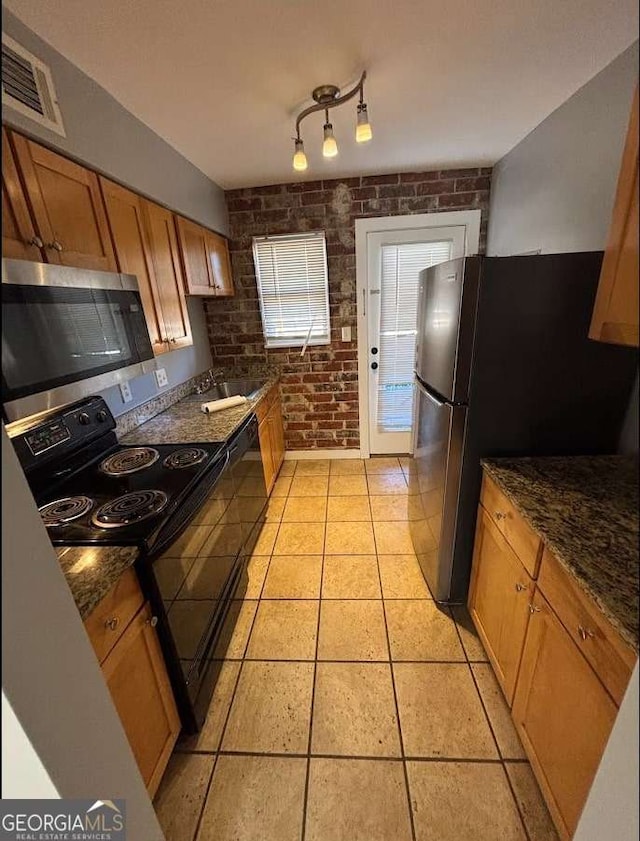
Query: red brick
(332,183)
(379,179)
(396,191)
(244,204)
(472,184)
(360,193)
(435,188)
(299,426)
(459,173)
(304,186)
(409,177)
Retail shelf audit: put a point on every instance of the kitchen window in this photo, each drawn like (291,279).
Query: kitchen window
(293,288)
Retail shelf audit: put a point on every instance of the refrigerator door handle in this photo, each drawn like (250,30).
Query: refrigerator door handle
(438,403)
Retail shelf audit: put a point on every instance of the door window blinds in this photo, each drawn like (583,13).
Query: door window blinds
(291,273)
(400,266)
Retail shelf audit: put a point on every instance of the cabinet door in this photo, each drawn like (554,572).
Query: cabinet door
(19,237)
(137,678)
(194,250)
(499,599)
(615,314)
(277,435)
(168,274)
(67,207)
(563,714)
(124,210)
(220,264)
(266,451)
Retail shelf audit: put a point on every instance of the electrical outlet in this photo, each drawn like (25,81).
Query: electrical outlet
(346,333)
(161,377)
(125,392)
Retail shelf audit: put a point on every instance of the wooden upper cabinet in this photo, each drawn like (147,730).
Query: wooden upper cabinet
(615,314)
(19,238)
(499,597)
(168,274)
(67,208)
(205,257)
(126,219)
(220,264)
(563,715)
(195,257)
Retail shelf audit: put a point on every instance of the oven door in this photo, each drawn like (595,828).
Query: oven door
(56,335)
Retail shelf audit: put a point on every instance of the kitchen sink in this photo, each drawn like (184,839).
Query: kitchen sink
(231,388)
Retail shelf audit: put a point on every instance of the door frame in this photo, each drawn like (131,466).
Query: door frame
(469,219)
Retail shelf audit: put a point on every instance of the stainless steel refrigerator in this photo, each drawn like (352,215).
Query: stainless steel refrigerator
(503,367)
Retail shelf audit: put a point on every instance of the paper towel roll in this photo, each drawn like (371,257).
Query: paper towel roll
(225,403)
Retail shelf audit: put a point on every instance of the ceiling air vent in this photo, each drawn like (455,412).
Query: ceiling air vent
(27,86)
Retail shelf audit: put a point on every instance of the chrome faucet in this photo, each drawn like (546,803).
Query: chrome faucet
(209,379)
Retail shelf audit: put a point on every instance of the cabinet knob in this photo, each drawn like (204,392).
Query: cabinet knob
(173,341)
(57,246)
(534,608)
(500,516)
(585,633)
(153,621)
(112,623)
(520,587)
(35,240)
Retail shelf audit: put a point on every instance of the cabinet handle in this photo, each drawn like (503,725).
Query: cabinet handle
(57,246)
(112,623)
(173,341)
(585,633)
(165,340)
(500,516)
(534,608)
(153,621)
(520,587)
(35,240)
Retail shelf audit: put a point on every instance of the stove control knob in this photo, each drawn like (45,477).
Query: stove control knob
(84,419)
(101,417)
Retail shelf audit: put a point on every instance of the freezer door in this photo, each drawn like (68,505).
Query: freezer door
(434,482)
(448,295)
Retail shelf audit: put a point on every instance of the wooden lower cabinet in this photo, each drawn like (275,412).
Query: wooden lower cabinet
(563,715)
(499,598)
(137,678)
(271,436)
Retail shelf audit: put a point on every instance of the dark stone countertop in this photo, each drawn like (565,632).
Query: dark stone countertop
(585,508)
(91,571)
(186,423)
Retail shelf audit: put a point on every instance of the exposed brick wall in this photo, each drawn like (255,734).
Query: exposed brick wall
(320,391)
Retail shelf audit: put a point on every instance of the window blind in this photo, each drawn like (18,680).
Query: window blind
(401,265)
(291,273)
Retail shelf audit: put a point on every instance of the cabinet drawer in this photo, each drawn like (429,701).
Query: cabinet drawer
(109,619)
(599,642)
(518,534)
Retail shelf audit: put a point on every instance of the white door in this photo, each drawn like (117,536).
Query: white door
(394,260)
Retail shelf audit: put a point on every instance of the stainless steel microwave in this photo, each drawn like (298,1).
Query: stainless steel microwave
(67,333)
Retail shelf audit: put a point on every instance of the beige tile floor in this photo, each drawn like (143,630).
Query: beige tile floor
(349,706)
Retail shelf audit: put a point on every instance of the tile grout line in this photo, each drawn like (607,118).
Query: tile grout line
(469,760)
(395,697)
(502,761)
(305,800)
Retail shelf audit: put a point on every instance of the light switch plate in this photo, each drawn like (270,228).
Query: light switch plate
(161,377)
(346,333)
(125,392)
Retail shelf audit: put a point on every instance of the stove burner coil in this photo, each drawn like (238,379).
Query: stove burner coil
(129,461)
(62,511)
(130,508)
(187,457)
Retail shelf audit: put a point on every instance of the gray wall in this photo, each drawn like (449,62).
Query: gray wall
(107,137)
(50,674)
(554,191)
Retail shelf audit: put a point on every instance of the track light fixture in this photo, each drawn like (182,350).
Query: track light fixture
(326,97)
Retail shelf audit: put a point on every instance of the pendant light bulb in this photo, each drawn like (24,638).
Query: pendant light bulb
(363,126)
(329,146)
(299,157)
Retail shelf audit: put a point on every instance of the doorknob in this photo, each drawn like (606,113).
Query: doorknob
(374,366)
(374,350)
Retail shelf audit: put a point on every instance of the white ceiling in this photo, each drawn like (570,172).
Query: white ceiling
(449,83)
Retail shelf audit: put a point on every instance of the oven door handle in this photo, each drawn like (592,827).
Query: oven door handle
(165,539)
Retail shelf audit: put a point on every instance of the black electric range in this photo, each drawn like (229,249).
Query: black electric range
(92,490)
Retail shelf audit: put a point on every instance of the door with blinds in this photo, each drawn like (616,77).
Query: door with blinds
(395,260)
